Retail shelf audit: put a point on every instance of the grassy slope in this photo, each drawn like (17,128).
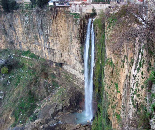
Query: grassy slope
(30,79)
(21,83)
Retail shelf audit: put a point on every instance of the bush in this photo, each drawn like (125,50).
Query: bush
(4,70)
(12,63)
(42,3)
(33,2)
(151,78)
(93,14)
(5,5)
(9,5)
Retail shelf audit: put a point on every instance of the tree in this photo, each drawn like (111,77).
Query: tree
(33,2)
(5,5)
(9,5)
(39,3)
(42,3)
(93,14)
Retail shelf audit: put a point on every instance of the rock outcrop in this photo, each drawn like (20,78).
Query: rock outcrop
(129,51)
(52,34)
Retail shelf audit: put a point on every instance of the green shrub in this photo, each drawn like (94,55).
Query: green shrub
(118,117)
(151,77)
(32,55)
(29,54)
(143,118)
(33,2)
(42,3)
(76,15)
(93,14)
(112,21)
(153,107)
(53,76)
(9,5)
(55,84)
(26,53)
(4,70)
(123,11)
(110,62)
(39,3)
(116,85)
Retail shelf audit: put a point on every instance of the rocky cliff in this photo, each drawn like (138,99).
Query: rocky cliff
(26,37)
(129,65)
(52,34)
(124,74)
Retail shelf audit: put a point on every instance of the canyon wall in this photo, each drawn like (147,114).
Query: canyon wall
(52,34)
(129,64)
(124,68)
(57,36)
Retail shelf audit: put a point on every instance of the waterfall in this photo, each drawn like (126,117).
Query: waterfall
(87,114)
(88,71)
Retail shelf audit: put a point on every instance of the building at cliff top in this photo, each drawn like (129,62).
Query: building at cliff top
(126,1)
(23,1)
(83,8)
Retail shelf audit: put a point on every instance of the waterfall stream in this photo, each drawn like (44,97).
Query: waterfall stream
(88,73)
(87,114)
(91,71)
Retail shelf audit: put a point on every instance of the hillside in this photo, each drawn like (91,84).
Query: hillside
(36,90)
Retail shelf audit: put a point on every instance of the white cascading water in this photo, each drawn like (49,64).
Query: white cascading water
(87,114)
(88,72)
(91,71)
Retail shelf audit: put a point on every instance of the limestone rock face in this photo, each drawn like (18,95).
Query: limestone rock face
(126,70)
(51,34)
(56,36)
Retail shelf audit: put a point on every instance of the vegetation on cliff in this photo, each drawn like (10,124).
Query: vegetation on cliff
(130,55)
(30,84)
(119,77)
(22,80)
(40,3)
(124,74)
(101,121)
(9,5)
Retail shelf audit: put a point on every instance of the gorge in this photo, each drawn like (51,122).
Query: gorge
(55,63)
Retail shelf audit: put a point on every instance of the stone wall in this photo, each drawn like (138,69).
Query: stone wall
(87,8)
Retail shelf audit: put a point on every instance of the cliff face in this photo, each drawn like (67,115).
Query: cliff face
(53,35)
(130,60)
(128,71)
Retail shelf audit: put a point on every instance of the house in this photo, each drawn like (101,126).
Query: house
(62,3)
(23,1)
(53,2)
